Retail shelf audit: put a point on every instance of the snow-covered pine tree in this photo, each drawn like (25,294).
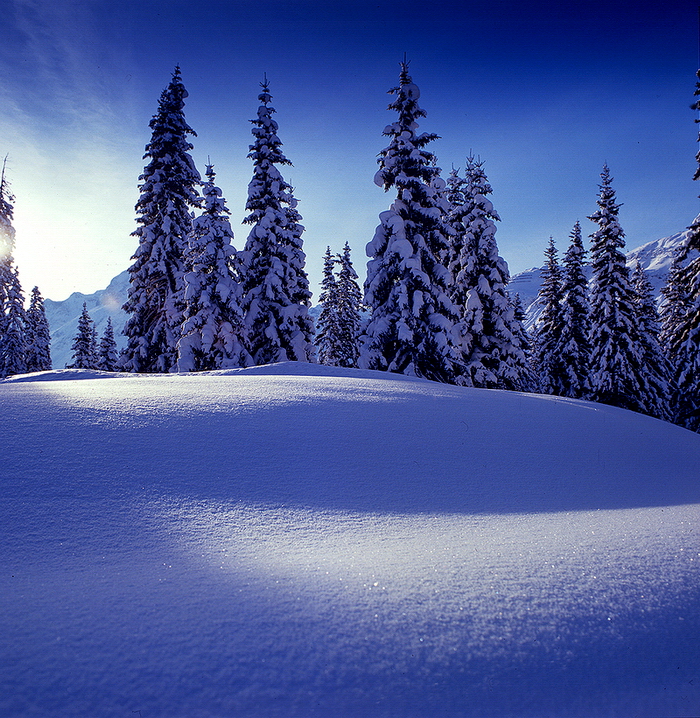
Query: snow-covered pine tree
(7,240)
(490,338)
(13,346)
(674,304)
(674,308)
(276,296)
(84,350)
(457,258)
(349,310)
(13,350)
(618,372)
(107,355)
(212,334)
(684,333)
(574,344)
(38,336)
(657,366)
(551,369)
(328,339)
(412,318)
(168,194)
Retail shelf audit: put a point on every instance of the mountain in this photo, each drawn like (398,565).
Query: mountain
(297,540)
(63,317)
(655,257)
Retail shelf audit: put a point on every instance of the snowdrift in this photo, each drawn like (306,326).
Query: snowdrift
(298,540)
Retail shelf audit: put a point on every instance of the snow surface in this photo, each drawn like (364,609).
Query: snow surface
(299,540)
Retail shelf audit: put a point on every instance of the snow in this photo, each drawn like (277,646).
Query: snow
(301,540)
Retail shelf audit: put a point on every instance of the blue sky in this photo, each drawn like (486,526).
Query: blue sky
(544,94)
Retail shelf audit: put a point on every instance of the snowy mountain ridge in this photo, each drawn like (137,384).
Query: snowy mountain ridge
(62,316)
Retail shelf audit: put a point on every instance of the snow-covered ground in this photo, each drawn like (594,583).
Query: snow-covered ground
(297,540)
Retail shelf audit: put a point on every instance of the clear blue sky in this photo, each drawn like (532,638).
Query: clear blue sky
(544,93)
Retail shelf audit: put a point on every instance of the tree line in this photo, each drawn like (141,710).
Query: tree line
(25,341)
(434,304)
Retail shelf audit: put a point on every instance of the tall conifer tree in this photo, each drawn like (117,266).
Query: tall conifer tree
(84,344)
(617,357)
(490,339)
(107,356)
(38,335)
(276,296)
(13,351)
(13,346)
(168,194)
(213,335)
(328,335)
(657,366)
(412,318)
(349,310)
(684,332)
(548,359)
(574,344)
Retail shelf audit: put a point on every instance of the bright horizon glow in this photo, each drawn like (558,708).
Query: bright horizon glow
(543,94)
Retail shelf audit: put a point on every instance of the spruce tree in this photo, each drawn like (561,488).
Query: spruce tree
(574,346)
(684,333)
(13,351)
(349,310)
(412,318)
(107,356)
(213,334)
(168,194)
(548,359)
(492,352)
(84,350)
(7,242)
(657,367)
(674,308)
(276,296)
(617,357)
(328,339)
(13,347)
(38,336)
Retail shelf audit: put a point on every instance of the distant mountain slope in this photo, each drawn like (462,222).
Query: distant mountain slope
(63,317)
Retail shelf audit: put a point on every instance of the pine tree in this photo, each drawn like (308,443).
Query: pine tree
(84,350)
(684,333)
(574,344)
(674,305)
(38,336)
(349,310)
(168,193)
(7,242)
(685,346)
(617,357)
(276,296)
(457,257)
(548,360)
(13,348)
(657,366)
(412,318)
(328,336)
(107,356)
(674,308)
(213,334)
(490,338)
(13,351)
